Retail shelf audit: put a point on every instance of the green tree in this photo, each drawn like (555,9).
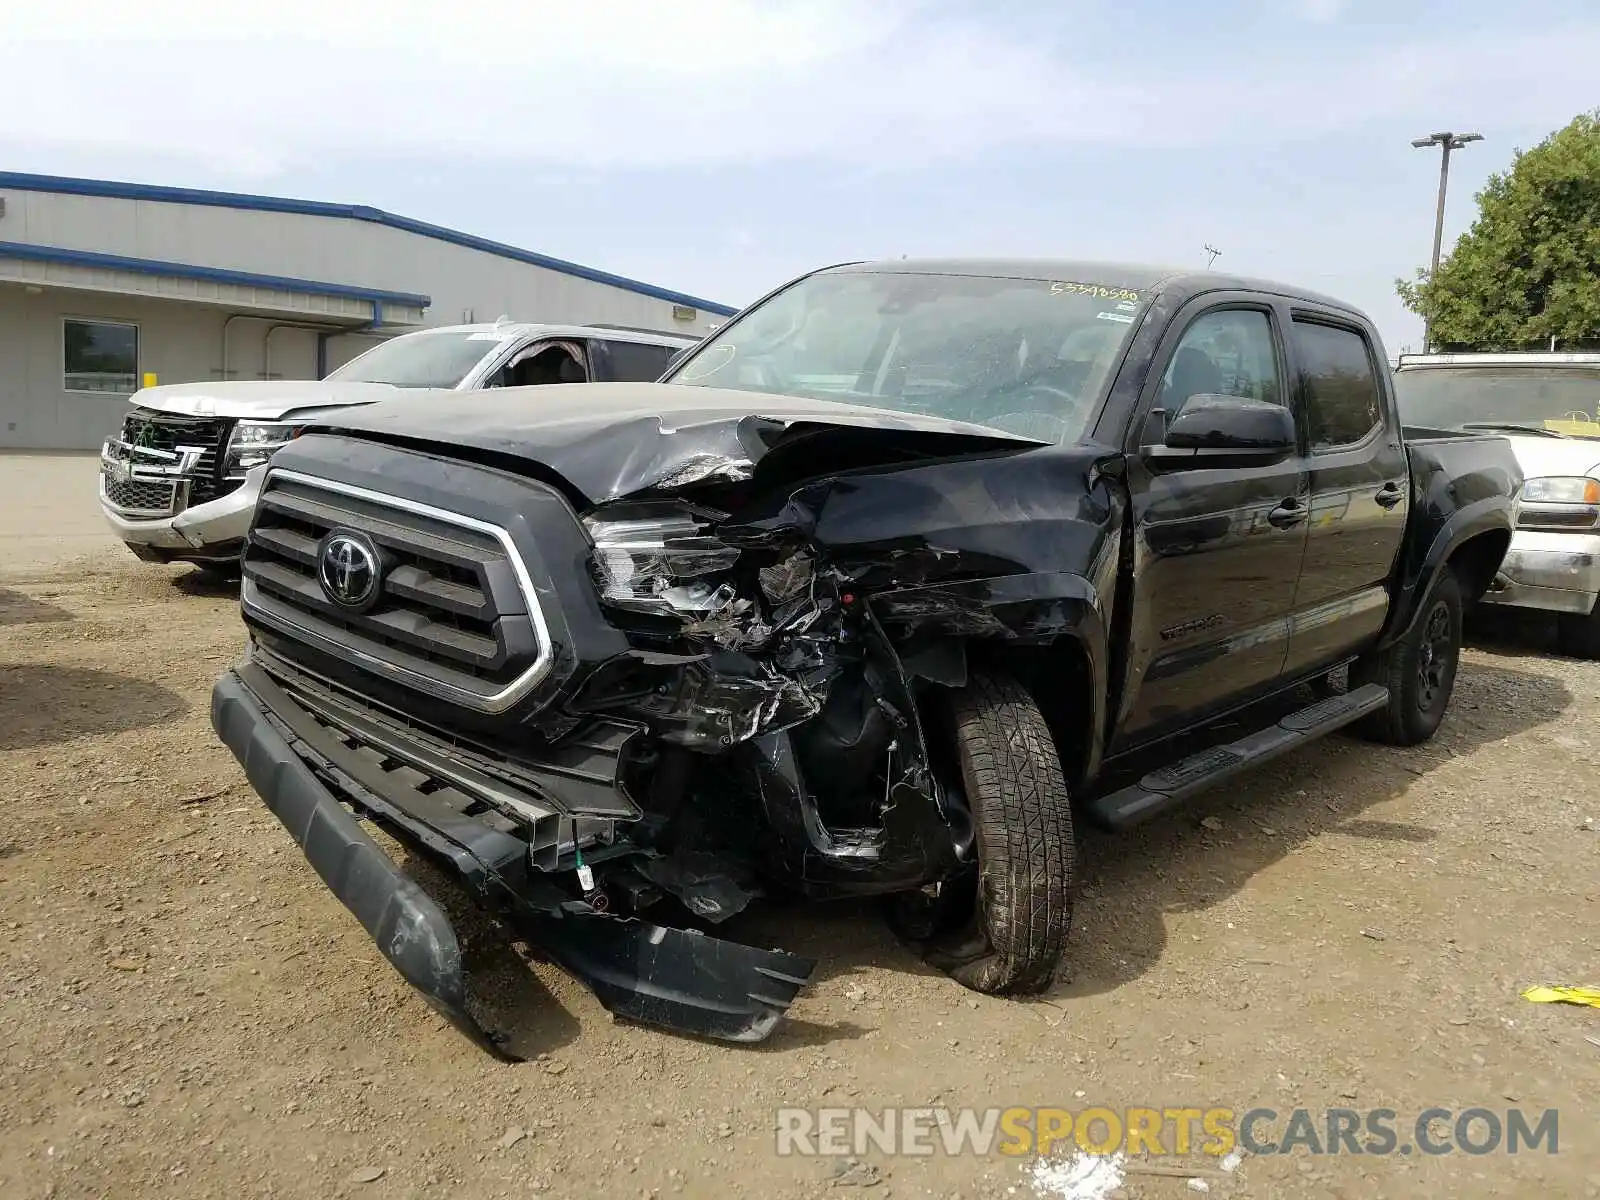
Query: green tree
(1529,268)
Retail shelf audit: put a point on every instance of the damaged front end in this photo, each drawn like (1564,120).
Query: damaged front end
(616,722)
(756,652)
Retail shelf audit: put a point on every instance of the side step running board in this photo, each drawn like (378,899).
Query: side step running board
(1163,788)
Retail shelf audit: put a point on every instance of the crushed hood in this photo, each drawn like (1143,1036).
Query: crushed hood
(260,399)
(610,440)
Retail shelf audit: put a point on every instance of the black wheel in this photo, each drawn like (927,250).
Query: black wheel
(1579,635)
(1419,670)
(1001,925)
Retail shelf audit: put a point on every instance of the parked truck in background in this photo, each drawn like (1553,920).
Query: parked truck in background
(1548,406)
(180,480)
(890,581)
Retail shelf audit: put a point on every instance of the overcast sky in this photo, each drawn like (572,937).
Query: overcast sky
(722,146)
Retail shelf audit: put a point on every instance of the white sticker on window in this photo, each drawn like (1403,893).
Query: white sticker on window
(1119,318)
(712,361)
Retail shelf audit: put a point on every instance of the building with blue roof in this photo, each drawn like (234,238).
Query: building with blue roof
(108,286)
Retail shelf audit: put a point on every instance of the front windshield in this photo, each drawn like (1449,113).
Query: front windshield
(1555,399)
(1025,356)
(420,360)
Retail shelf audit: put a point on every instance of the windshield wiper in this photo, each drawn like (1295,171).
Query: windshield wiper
(1514,427)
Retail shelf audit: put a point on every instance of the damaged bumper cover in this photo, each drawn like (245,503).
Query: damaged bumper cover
(674,978)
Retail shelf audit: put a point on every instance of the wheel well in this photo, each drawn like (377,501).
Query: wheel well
(1476,560)
(1061,682)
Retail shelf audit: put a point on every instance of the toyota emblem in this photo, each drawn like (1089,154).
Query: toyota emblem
(349,569)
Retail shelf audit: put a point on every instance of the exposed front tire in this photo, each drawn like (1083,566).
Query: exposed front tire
(1001,927)
(1578,634)
(1419,670)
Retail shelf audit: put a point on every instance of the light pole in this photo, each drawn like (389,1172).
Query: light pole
(1446,142)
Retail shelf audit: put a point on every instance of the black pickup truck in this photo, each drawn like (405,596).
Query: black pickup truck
(904,571)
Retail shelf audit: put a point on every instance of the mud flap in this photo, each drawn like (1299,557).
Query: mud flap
(676,978)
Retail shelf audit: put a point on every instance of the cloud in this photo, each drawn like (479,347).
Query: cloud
(631,81)
(259,90)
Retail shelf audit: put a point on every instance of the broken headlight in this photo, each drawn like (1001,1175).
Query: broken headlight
(659,562)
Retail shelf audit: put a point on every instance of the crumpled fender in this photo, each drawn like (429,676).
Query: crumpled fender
(1036,608)
(1040,609)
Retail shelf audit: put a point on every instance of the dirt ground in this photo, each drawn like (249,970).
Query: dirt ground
(188,1011)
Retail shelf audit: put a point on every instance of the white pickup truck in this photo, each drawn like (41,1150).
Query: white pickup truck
(1548,406)
(179,482)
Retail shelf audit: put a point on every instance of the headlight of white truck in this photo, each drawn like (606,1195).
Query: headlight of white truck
(253,442)
(1562,489)
(1559,502)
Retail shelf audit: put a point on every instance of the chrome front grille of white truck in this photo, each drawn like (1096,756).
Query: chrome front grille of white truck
(164,463)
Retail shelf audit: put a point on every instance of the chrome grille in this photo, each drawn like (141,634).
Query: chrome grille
(180,455)
(137,496)
(456,615)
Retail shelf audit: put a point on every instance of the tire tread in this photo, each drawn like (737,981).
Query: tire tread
(1026,852)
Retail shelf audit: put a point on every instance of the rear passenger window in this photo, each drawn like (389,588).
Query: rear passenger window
(1224,353)
(638,362)
(1339,385)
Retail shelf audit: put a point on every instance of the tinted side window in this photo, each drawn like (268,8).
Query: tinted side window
(635,362)
(1339,385)
(1224,353)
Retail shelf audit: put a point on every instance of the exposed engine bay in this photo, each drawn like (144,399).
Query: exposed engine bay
(753,648)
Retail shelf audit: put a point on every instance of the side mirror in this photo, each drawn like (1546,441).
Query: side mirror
(672,363)
(1231,423)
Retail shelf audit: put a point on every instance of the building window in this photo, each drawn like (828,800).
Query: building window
(100,357)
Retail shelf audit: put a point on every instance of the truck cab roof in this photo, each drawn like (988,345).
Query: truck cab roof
(1181,283)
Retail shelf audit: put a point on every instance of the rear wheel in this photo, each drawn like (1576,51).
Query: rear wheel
(1419,670)
(1001,925)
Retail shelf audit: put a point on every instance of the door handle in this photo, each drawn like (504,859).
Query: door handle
(1390,494)
(1288,514)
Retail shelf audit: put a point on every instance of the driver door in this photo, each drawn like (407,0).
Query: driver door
(1217,549)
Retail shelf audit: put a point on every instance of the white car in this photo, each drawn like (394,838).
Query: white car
(1548,406)
(180,481)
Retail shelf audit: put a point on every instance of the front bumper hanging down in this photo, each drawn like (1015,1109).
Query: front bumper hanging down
(678,979)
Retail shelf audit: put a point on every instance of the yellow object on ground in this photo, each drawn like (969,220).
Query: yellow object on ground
(1564,995)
